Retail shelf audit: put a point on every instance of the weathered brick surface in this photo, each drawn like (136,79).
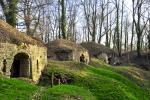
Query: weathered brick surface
(73,50)
(37,56)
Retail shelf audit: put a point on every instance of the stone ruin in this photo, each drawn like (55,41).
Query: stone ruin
(65,50)
(100,51)
(20,55)
(24,56)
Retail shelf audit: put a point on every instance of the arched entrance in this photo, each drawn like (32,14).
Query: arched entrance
(21,66)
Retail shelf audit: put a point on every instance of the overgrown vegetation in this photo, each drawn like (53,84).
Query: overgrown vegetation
(13,89)
(67,92)
(97,81)
(12,35)
(137,75)
(104,82)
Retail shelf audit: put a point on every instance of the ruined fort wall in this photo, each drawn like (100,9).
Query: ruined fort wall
(37,56)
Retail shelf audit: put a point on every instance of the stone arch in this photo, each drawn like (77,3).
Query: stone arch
(21,66)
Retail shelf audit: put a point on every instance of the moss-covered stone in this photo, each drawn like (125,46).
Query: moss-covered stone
(66,50)
(37,56)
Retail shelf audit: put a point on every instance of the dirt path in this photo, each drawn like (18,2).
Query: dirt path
(38,93)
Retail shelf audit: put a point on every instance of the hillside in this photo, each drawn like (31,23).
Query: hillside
(105,83)
(12,35)
(97,81)
(96,49)
(13,89)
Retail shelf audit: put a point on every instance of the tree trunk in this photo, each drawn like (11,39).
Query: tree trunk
(63,20)
(59,21)
(133,15)
(131,44)
(139,46)
(120,49)
(107,38)
(117,28)
(10,11)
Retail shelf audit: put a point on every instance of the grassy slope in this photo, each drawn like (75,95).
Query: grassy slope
(13,89)
(136,75)
(67,92)
(104,83)
(88,83)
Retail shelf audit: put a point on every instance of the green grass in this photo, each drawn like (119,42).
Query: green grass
(13,89)
(105,83)
(134,74)
(97,81)
(67,92)
(111,85)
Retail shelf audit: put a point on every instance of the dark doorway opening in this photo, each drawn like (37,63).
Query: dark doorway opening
(21,66)
(63,55)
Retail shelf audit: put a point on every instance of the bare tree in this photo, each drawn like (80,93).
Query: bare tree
(126,34)
(139,28)
(90,12)
(86,7)
(117,30)
(32,12)
(72,16)
(133,16)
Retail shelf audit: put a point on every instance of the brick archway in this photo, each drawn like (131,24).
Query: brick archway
(21,66)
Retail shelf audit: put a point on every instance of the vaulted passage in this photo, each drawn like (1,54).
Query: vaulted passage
(63,55)
(21,66)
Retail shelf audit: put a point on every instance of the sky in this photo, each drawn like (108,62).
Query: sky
(80,22)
